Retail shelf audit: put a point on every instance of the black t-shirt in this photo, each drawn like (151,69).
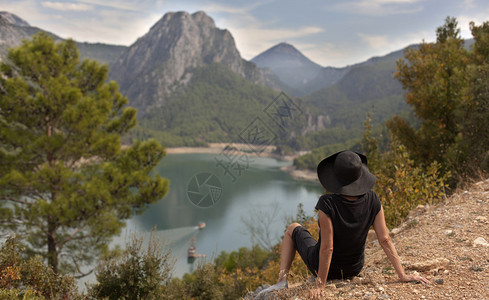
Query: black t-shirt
(351,223)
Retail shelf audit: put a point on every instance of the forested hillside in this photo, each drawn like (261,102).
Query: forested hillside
(216,106)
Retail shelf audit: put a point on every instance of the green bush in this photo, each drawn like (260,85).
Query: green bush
(29,277)
(136,274)
(401,185)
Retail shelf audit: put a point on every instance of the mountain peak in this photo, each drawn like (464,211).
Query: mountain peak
(289,64)
(285,47)
(167,55)
(199,18)
(13,19)
(283,53)
(202,18)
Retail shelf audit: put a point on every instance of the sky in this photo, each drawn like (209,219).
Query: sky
(333,33)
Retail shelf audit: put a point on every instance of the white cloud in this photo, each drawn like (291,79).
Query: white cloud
(66,6)
(375,41)
(391,1)
(378,7)
(468,4)
(219,8)
(128,5)
(464,21)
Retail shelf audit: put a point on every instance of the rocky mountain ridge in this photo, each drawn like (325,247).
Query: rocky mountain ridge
(13,30)
(12,19)
(162,61)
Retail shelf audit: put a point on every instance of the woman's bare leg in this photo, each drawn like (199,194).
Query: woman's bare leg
(287,252)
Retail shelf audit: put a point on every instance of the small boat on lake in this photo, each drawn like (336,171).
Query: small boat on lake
(201,225)
(192,252)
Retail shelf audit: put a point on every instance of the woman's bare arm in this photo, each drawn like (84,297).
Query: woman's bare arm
(390,250)
(326,249)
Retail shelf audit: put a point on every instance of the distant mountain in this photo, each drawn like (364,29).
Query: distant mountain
(13,30)
(191,85)
(290,65)
(162,61)
(301,75)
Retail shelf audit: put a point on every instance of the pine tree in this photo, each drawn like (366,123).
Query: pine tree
(66,184)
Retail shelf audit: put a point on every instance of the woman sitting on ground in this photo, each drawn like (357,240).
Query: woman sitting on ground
(345,218)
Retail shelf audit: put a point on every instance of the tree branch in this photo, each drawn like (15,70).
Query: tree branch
(8,198)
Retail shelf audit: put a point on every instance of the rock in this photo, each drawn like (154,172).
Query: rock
(395,231)
(254,295)
(439,281)
(480,241)
(438,263)
(420,209)
(379,289)
(449,232)
(357,280)
(481,219)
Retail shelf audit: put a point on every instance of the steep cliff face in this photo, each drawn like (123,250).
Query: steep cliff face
(12,31)
(161,61)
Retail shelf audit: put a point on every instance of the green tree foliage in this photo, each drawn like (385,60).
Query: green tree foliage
(472,153)
(141,272)
(435,77)
(311,160)
(401,184)
(216,106)
(447,88)
(30,278)
(243,258)
(66,184)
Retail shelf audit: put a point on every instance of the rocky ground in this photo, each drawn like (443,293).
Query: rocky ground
(446,243)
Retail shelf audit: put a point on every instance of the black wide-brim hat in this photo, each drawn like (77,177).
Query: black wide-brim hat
(346,173)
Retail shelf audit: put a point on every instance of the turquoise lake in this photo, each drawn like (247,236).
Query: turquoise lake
(202,191)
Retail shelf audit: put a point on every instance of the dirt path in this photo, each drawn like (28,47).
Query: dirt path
(447,243)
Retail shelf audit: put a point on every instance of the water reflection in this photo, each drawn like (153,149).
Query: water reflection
(262,188)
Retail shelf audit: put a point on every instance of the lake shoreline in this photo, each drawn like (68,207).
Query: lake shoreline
(245,149)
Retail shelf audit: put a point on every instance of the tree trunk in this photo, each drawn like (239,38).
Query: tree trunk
(52,245)
(51,234)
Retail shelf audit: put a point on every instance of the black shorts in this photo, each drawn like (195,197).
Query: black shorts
(308,249)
